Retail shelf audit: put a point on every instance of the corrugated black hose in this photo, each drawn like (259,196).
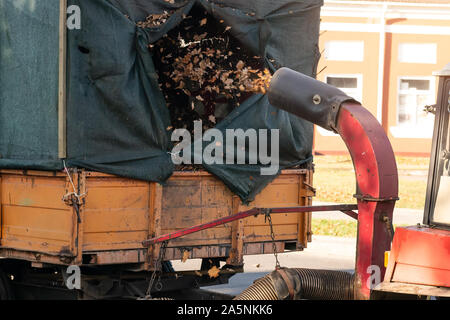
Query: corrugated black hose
(296,284)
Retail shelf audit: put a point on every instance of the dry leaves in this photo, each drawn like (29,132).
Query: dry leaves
(209,68)
(154,20)
(204,71)
(185,256)
(214,272)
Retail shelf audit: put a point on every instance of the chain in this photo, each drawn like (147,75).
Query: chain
(156,271)
(272,235)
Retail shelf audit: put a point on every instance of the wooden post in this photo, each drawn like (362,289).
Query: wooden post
(62,125)
(79,180)
(301,220)
(236,257)
(308,202)
(74,240)
(306,192)
(155,208)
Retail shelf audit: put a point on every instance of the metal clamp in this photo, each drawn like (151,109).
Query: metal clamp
(368,198)
(288,282)
(389,225)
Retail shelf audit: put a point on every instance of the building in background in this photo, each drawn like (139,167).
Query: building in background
(384,54)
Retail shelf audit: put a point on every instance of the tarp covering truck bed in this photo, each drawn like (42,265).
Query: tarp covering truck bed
(117,117)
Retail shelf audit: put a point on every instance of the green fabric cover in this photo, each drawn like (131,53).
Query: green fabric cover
(116,113)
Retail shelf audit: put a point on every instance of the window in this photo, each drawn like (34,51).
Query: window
(417,52)
(344,50)
(350,85)
(413,95)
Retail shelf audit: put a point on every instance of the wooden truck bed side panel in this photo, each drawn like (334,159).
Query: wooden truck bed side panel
(33,215)
(194,199)
(117,214)
(209,199)
(282,192)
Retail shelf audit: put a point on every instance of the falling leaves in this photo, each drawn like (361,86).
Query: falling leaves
(240,65)
(209,69)
(205,72)
(214,272)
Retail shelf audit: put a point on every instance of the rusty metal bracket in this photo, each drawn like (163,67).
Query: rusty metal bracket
(389,225)
(351,213)
(368,198)
(310,188)
(288,282)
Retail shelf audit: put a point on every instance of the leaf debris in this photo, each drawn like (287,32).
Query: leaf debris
(205,71)
(214,272)
(154,20)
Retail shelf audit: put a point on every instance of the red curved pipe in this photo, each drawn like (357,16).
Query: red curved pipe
(377,190)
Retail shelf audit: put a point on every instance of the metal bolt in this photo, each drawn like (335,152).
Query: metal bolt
(317,99)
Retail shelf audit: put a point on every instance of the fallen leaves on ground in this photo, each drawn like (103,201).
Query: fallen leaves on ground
(185,256)
(213,272)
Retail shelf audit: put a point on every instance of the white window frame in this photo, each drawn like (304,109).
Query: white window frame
(345,57)
(426,45)
(359,96)
(412,131)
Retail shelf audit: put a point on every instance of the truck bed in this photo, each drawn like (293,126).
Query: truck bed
(42,221)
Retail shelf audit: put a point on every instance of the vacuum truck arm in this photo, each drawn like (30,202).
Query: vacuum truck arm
(319,101)
(373,161)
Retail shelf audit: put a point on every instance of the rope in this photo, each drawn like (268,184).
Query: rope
(70,195)
(74,193)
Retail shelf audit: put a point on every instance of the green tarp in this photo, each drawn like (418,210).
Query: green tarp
(29,84)
(116,114)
